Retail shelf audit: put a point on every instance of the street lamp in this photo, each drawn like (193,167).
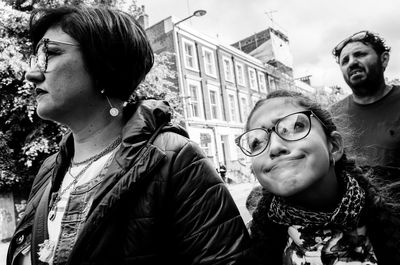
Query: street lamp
(197,13)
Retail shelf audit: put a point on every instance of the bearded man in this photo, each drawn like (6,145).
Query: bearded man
(369,118)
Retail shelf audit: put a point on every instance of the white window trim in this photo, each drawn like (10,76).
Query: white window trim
(195,63)
(261,81)
(235,101)
(243,83)
(218,98)
(214,69)
(200,100)
(253,87)
(246,105)
(230,68)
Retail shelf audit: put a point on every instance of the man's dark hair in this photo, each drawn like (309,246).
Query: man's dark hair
(370,39)
(115,49)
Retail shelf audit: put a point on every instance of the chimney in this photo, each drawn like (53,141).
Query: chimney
(143,18)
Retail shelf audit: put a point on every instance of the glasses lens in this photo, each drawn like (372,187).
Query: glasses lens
(254,142)
(293,127)
(41,58)
(33,61)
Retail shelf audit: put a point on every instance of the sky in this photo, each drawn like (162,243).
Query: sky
(314,27)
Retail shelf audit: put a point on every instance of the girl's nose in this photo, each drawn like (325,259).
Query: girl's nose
(277,146)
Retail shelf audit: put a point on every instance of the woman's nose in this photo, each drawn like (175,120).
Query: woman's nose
(277,146)
(34,75)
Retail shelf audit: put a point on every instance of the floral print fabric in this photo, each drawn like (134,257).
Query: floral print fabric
(310,246)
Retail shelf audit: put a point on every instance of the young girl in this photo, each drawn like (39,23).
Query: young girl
(317,207)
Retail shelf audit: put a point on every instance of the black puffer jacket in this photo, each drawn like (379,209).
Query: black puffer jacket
(167,206)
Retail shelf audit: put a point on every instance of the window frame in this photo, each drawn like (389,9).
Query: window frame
(217,104)
(199,101)
(235,110)
(261,81)
(253,85)
(213,73)
(240,73)
(195,66)
(227,59)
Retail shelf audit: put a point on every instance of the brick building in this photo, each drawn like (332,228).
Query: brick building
(219,84)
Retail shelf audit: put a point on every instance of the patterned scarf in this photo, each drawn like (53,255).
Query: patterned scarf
(346,215)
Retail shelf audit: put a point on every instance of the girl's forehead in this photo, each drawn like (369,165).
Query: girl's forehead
(273,109)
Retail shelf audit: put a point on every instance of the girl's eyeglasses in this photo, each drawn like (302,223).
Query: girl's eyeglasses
(292,127)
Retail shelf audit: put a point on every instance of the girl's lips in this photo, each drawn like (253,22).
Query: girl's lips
(284,160)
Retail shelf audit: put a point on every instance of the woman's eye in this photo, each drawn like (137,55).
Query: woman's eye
(52,52)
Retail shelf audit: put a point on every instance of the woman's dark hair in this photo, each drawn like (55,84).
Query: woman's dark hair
(114,46)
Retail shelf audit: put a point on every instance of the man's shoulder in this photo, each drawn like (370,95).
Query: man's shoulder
(341,106)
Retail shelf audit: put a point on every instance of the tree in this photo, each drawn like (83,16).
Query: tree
(25,139)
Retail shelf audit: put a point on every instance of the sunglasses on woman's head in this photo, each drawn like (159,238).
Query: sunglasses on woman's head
(292,127)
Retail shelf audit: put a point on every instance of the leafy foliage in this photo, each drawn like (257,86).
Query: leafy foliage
(25,139)
(159,84)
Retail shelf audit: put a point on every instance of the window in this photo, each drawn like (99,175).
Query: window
(189,52)
(228,69)
(240,74)
(272,83)
(233,108)
(214,104)
(252,79)
(205,142)
(209,62)
(194,100)
(261,81)
(244,108)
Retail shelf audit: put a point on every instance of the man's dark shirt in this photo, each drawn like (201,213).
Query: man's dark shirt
(371,132)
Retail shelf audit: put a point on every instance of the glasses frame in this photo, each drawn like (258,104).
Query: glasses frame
(308,113)
(34,59)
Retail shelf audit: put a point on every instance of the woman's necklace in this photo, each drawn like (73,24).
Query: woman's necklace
(90,161)
(111,147)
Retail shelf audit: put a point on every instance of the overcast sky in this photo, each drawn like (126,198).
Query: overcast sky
(314,27)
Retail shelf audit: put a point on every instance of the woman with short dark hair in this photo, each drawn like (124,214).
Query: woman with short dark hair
(127,186)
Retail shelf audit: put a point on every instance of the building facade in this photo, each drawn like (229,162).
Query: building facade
(218,84)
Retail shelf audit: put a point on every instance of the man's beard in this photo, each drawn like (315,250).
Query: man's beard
(371,85)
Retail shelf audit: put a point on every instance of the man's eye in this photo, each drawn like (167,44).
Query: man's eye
(344,61)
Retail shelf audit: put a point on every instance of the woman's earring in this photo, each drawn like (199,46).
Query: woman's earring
(332,160)
(113,110)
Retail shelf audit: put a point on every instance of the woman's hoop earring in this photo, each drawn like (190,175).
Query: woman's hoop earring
(113,110)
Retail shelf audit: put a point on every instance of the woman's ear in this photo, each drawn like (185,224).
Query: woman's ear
(336,145)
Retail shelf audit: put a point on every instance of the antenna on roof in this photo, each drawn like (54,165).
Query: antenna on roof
(270,17)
